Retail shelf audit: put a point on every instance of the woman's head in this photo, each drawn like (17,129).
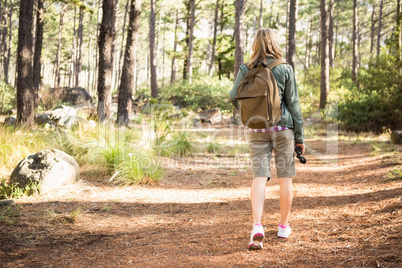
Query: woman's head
(265,43)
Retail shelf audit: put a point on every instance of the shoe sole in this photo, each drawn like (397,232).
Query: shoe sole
(254,247)
(258,237)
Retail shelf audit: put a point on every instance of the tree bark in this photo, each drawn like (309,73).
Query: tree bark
(399,26)
(190,41)
(173,69)
(58,53)
(212,63)
(324,55)
(123,34)
(152,51)
(38,50)
(3,30)
(239,14)
(379,29)
(10,34)
(287,27)
(331,33)
(260,19)
(186,39)
(80,32)
(25,91)
(291,55)
(96,59)
(354,42)
(127,83)
(372,30)
(106,36)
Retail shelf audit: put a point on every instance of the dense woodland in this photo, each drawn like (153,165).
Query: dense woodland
(346,52)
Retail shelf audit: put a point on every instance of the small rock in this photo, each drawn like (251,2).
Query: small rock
(211,115)
(396,136)
(65,116)
(42,119)
(7,202)
(10,121)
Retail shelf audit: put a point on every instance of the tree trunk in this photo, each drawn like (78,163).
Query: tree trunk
(89,52)
(10,34)
(152,51)
(372,30)
(324,55)
(399,26)
(379,29)
(354,42)
(106,34)
(220,65)
(310,43)
(190,41)
(25,91)
(261,19)
(173,70)
(127,83)
(239,14)
(73,58)
(186,39)
(58,53)
(38,50)
(96,59)
(212,63)
(331,33)
(123,34)
(287,27)
(3,31)
(291,56)
(80,32)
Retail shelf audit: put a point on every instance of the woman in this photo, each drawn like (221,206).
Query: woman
(280,138)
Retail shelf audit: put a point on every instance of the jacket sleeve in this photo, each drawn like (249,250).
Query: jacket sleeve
(236,84)
(293,104)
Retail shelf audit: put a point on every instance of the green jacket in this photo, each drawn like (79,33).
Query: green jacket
(288,94)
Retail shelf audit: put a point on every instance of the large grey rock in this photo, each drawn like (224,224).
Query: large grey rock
(65,116)
(396,136)
(76,96)
(211,115)
(49,169)
(10,121)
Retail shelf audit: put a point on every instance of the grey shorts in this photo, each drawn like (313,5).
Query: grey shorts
(282,143)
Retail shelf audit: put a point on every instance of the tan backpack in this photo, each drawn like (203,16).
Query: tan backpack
(258,97)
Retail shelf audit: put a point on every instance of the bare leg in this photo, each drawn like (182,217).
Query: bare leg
(285,199)
(258,197)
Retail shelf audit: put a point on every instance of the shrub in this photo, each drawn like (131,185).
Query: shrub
(7,97)
(179,145)
(376,104)
(204,92)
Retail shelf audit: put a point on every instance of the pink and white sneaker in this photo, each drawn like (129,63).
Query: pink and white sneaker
(257,235)
(284,231)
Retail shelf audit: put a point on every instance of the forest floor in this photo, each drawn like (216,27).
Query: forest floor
(346,213)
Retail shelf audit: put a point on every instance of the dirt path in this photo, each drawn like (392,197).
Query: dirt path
(343,215)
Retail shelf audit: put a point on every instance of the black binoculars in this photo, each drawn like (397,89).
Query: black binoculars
(299,151)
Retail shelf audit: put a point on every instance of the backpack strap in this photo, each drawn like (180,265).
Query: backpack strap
(275,63)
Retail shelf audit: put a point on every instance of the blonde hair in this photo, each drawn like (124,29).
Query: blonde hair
(265,44)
